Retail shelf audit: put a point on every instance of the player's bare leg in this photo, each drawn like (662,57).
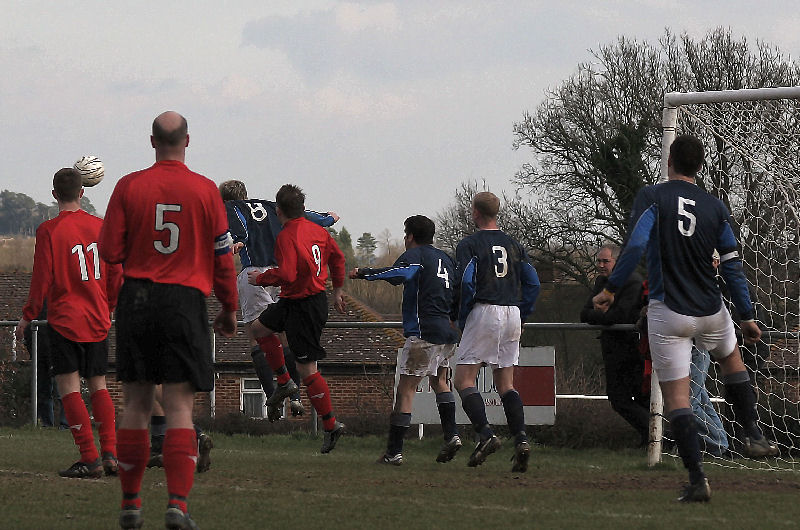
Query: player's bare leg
(158,428)
(446,404)
(472,402)
(741,396)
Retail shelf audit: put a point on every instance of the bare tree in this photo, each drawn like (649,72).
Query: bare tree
(596,140)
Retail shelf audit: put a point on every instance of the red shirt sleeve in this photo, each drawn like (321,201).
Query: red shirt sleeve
(335,263)
(113,284)
(42,276)
(224,279)
(286,257)
(225,282)
(113,232)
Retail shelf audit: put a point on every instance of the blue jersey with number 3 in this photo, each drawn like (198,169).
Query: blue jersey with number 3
(493,268)
(680,225)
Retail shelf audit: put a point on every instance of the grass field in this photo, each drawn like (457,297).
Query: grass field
(282,481)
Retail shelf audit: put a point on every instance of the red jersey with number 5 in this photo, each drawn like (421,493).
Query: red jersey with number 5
(304,251)
(168,224)
(80,288)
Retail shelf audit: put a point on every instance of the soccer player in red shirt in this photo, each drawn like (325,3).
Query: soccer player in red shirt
(304,252)
(167,226)
(81,292)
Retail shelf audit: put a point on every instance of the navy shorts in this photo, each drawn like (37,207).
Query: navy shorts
(302,319)
(89,359)
(163,335)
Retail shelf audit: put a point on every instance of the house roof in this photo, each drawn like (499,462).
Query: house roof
(343,345)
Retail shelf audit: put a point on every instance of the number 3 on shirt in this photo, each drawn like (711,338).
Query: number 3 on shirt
(501,267)
(172,228)
(682,212)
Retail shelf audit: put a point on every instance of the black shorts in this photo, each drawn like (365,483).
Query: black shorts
(89,359)
(302,319)
(163,335)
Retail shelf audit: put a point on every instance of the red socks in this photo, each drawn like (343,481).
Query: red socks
(180,459)
(80,425)
(103,410)
(133,452)
(320,396)
(271,346)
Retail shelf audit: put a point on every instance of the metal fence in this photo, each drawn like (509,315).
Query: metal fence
(568,326)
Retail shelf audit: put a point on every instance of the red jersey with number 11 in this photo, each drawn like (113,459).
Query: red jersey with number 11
(80,288)
(304,251)
(168,224)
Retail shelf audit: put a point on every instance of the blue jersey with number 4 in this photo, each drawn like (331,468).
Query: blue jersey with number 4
(493,268)
(427,275)
(680,225)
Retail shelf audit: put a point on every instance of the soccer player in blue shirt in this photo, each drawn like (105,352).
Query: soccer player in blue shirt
(254,226)
(680,225)
(427,275)
(496,288)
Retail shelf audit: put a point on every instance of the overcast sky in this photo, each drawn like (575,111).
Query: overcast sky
(379,110)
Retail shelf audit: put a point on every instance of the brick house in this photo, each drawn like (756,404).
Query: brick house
(359,366)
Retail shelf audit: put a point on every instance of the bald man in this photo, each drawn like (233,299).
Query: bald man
(167,226)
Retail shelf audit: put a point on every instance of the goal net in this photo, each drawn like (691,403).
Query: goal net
(752,143)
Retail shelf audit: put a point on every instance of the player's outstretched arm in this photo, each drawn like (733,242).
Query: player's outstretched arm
(322,219)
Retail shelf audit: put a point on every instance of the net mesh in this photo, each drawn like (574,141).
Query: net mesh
(753,166)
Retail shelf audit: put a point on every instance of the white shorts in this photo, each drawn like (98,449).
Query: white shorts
(253,299)
(670,335)
(421,358)
(491,335)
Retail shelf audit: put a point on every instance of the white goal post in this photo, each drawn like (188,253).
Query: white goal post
(752,142)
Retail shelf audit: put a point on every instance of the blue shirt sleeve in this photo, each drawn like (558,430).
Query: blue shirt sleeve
(530,289)
(635,247)
(730,268)
(464,299)
(323,220)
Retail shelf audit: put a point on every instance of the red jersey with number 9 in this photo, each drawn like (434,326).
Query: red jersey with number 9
(304,251)
(80,288)
(166,224)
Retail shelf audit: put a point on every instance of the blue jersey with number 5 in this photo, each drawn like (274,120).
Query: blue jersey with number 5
(680,225)
(493,268)
(427,274)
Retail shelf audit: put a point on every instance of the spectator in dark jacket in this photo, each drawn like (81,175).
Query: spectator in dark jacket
(624,365)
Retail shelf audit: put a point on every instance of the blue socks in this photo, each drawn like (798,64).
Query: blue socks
(684,429)
(446,403)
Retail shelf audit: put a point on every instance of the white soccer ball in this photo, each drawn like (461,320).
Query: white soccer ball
(90,169)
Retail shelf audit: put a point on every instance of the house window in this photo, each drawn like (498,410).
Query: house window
(253,399)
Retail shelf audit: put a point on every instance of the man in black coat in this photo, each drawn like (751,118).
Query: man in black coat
(623,364)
